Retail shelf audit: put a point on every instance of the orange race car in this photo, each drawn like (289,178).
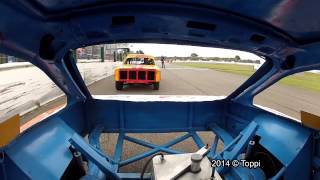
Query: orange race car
(137,69)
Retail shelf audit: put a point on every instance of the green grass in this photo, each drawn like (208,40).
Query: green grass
(245,70)
(306,80)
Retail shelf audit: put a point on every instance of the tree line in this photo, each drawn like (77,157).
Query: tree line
(195,57)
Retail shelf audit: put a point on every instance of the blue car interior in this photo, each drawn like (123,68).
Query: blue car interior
(286,33)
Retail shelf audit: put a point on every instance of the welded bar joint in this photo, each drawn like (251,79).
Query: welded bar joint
(88,151)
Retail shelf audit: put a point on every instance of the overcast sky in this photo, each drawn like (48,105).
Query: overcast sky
(185,51)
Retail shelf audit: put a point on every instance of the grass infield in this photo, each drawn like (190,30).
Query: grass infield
(306,80)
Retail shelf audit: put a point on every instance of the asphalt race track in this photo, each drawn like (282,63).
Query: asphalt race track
(178,80)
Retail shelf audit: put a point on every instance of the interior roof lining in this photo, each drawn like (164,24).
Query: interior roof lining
(70,12)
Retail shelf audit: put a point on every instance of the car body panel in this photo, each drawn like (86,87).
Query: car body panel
(138,68)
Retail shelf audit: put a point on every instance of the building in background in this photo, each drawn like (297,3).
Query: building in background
(89,52)
(112,52)
(3,59)
(9,59)
(116,52)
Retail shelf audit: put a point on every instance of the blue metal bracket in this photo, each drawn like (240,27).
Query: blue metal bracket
(116,162)
(247,135)
(88,151)
(152,146)
(221,133)
(94,138)
(241,143)
(111,165)
(197,139)
(154,150)
(213,147)
(118,149)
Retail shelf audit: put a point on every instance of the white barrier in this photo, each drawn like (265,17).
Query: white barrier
(25,89)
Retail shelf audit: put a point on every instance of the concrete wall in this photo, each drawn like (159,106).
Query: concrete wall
(24,87)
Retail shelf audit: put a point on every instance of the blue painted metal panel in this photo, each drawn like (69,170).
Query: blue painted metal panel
(284,138)
(208,112)
(303,159)
(152,116)
(73,115)
(285,150)
(101,112)
(9,170)
(42,152)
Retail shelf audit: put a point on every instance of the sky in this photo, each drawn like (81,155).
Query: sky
(185,51)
